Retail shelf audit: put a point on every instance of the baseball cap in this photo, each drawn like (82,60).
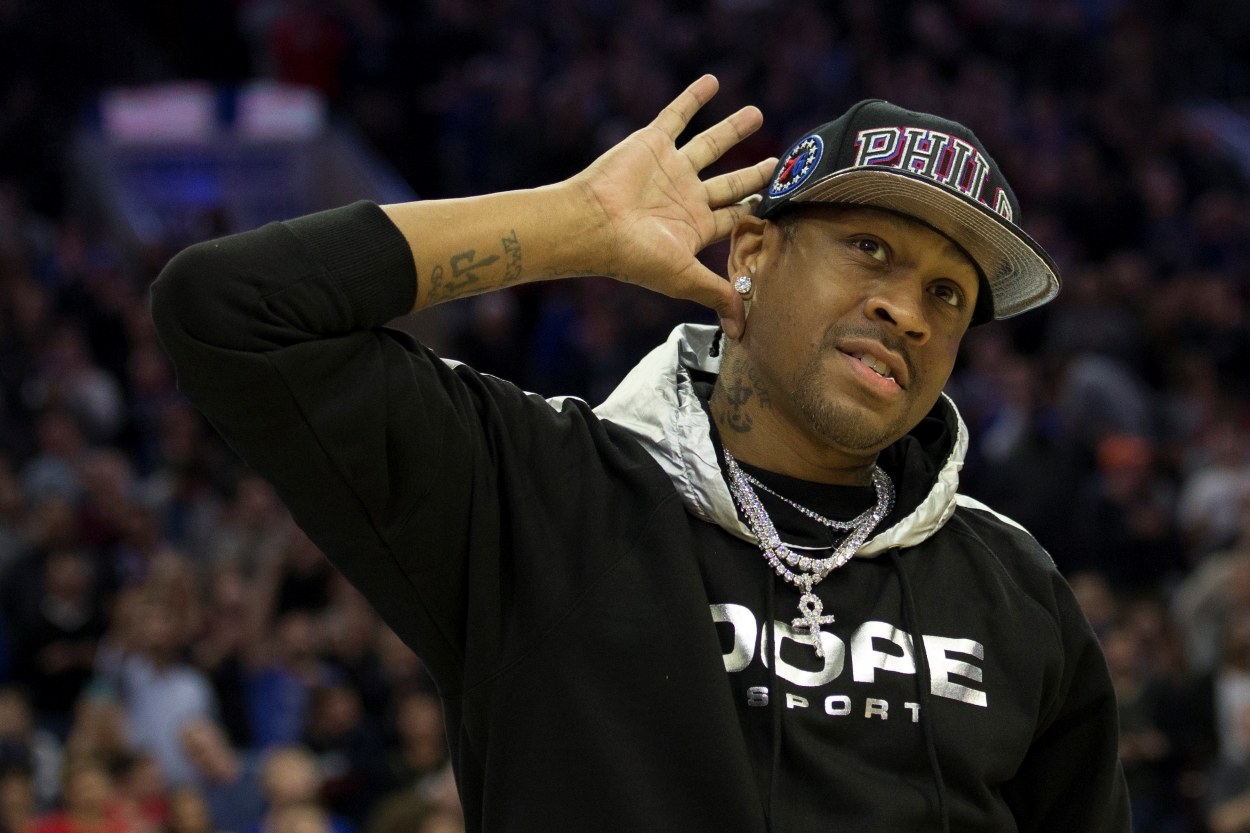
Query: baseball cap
(935,170)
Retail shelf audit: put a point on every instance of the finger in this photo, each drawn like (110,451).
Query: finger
(732,187)
(712,143)
(674,118)
(711,290)
(724,219)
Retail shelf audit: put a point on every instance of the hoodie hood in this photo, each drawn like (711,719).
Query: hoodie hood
(656,403)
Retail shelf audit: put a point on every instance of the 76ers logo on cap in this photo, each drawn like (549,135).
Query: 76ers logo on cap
(797,166)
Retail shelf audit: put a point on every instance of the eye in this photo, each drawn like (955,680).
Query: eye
(873,248)
(947,293)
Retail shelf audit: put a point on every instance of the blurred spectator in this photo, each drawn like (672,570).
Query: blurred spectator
(99,730)
(291,781)
(307,43)
(351,630)
(349,751)
(423,745)
(56,633)
(399,812)
(1096,601)
(222,650)
(1019,463)
(1100,398)
(141,796)
(439,791)
(67,379)
(402,668)
(1207,598)
(188,813)
(1123,520)
(441,821)
(1143,747)
(108,483)
(229,781)
(1182,709)
(253,529)
(1088,322)
(1228,796)
(26,749)
(301,818)
(181,488)
(1209,509)
(12,517)
(409,813)
(279,686)
(1232,689)
(18,803)
(1169,235)
(89,803)
(161,693)
(53,473)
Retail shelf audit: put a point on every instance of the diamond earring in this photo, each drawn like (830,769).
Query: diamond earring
(743,286)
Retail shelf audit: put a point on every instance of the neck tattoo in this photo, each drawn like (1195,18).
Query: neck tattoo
(803,571)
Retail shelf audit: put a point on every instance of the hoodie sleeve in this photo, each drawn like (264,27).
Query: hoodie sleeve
(1071,778)
(433,489)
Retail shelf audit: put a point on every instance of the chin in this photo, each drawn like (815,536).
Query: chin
(843,423)
(844,420)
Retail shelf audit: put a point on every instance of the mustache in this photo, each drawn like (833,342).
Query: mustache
(837,332)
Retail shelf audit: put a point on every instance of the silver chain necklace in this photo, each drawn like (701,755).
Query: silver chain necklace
(810,571)
(844,526)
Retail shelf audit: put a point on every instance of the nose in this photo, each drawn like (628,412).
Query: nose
(902,308)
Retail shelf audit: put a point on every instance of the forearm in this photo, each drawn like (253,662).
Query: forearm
(469,246)
(277,336)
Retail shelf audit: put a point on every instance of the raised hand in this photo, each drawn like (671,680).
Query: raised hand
(659,214)
(639,213)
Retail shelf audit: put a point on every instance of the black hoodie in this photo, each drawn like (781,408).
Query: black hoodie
(593,608)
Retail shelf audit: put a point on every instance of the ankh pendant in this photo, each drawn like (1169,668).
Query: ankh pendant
(811,607)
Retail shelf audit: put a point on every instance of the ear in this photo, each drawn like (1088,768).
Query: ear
(746,244)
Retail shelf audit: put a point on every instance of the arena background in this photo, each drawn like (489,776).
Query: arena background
(1112,423)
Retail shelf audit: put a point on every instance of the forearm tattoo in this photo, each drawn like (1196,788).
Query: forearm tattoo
(470,274)
(512,248)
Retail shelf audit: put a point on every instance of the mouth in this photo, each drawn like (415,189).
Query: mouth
(882,369)
(877,366)
(882,385)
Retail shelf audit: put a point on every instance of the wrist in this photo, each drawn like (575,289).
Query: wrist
(585,242)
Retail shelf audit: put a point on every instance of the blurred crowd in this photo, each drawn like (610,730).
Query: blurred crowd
(176,656)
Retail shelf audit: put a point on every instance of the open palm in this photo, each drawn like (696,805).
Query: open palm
(660,214)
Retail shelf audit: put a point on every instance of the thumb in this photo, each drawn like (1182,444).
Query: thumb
(711,290)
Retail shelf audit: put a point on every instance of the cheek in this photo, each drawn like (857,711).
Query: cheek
(950,350)
(770,352)
(939,362)
(771,327)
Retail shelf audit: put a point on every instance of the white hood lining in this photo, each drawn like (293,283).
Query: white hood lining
(657,405)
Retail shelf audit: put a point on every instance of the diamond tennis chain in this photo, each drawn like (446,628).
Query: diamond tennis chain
(809,571)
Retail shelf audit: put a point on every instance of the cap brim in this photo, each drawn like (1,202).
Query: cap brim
(1020,273)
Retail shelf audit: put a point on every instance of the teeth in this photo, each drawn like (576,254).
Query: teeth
(881,368)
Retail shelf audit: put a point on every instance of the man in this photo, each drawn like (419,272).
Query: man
(162,693)
(555,565)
